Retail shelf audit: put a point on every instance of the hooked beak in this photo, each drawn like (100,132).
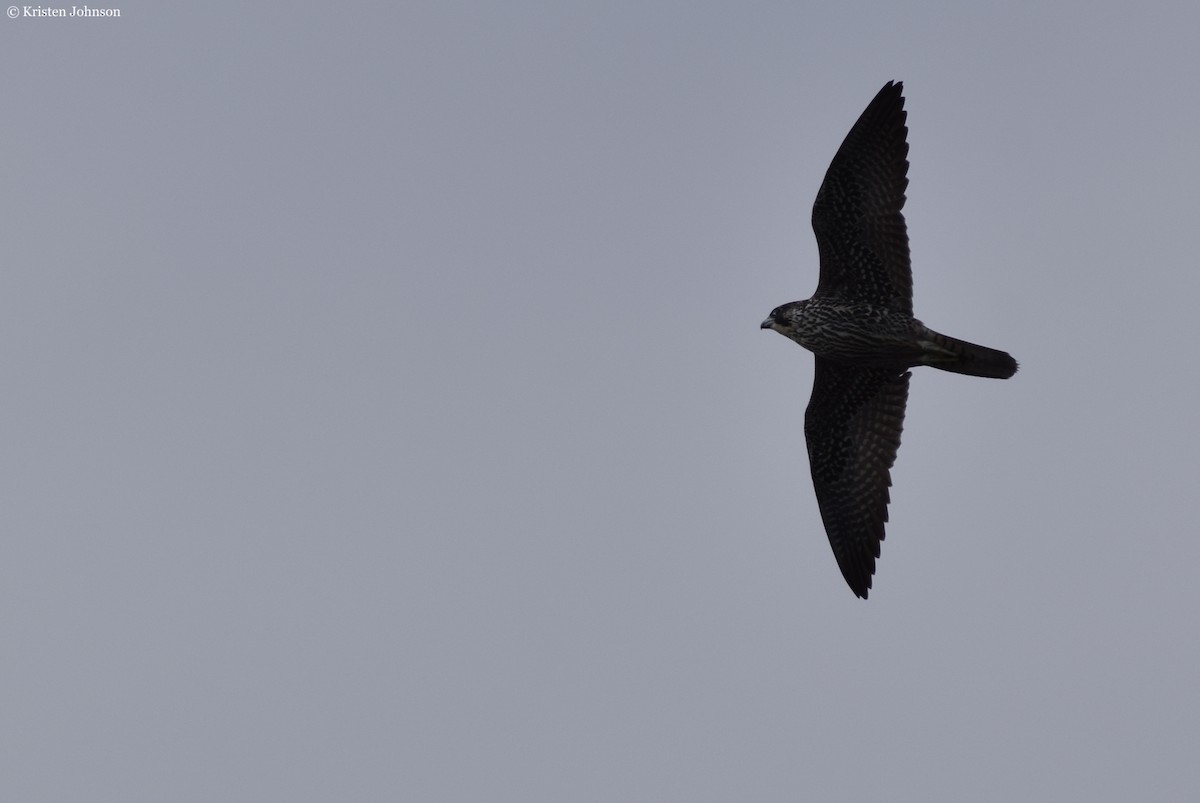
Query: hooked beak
(769,323)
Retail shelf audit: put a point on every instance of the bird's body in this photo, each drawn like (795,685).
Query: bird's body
(861,328)
(850,331)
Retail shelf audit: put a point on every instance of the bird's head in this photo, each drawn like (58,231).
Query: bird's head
(783,319)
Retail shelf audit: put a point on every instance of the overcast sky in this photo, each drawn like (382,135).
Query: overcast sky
(386,414)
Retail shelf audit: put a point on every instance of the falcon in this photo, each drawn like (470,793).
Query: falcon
(860,325)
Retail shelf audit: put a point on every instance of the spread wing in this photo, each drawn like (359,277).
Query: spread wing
(860,230)
(852,426)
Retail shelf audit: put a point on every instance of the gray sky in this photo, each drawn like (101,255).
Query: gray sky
(386,415)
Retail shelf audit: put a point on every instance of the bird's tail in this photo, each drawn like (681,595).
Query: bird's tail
(962,357)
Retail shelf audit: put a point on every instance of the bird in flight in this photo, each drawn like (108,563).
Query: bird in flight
(860,325)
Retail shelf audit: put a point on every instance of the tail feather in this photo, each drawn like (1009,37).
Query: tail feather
(961,357)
